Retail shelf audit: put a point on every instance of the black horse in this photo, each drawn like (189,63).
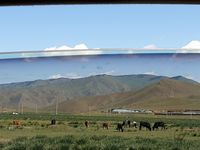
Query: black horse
(86,124)
(127,123)
(145,124)
(120,127)
(159,124)
(53,121)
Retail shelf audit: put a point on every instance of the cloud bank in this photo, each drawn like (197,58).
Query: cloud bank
(80,49)
(151,73)
(67,75)
(73,75)
(56,76)
(192,45)
(65,47)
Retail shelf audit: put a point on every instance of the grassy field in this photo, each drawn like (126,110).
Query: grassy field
(183,132)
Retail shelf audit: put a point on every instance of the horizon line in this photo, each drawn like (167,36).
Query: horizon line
(119,75)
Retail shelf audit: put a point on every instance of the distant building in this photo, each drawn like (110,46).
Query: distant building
(178,112)
(124,110)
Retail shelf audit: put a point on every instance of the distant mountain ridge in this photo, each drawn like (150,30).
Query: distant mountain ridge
(167,94)
(46,92)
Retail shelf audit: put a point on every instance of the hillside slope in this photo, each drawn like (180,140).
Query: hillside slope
(47,92)
(165,94)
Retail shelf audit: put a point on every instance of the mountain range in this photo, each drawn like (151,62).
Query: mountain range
(102,92)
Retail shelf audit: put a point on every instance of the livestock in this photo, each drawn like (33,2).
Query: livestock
(147,125)
(127,123)
(134,124)
(53,121)
(105,125)
(159,124)
(16,122)
(86,124)
(120,127)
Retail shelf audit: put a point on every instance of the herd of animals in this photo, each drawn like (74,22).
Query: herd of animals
(129,124)
(120,126)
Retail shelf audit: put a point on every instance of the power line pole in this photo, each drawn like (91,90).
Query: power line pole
(22,108)
(1,108)
(19,107)
(36,108)
(56,105)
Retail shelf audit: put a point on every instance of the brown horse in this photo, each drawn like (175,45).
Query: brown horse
(105,125)
(16,122)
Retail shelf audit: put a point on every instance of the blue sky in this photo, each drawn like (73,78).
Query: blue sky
(98,26)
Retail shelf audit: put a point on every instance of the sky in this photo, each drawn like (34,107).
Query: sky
(27,28)
(29,69)
(93,29)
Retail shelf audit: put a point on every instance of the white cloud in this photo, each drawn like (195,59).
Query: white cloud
(67,75)
(189,77)
(56,76)
(151,46)
(80,49)
(192,45)
(65,47)
(150,73)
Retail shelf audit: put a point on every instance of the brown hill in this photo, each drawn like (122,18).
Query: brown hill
(47,92)
(165,94)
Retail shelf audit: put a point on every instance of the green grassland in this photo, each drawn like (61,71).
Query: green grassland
(183,132)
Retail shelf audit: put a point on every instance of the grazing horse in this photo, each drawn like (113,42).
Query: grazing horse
(86,124)
(16,123)
(127,123)
(53,121)
(105,125)
(145,124)
(159,124)
(120,127)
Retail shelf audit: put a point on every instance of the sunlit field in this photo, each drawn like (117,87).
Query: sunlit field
(36,132)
